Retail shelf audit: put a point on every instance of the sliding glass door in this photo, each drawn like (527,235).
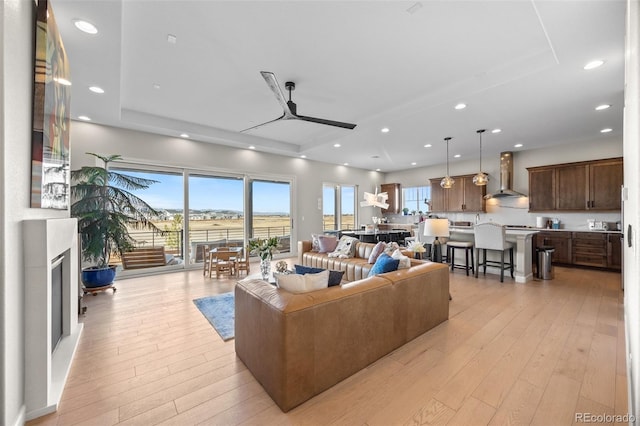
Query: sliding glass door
(271,211)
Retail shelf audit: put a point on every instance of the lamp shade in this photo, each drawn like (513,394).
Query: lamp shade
(436,227)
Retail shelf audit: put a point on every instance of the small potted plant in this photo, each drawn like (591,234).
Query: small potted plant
(265,248)
(417,248)
(405,211)
(106,210)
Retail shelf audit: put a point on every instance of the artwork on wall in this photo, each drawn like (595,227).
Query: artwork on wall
(50,138)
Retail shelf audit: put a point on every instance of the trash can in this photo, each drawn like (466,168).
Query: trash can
(544,265)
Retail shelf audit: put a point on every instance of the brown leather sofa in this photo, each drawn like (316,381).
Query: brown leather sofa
(298,345)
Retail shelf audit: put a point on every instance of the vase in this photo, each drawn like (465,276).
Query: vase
(265,268)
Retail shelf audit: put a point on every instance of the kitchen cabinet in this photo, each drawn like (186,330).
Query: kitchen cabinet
(464,196)
(588,185)
(395,197)
(561,242)
(589,249)
(614,251)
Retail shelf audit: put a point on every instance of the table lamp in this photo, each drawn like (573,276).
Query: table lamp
(436,228)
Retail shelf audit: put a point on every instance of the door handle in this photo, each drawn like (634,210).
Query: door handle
(629,232)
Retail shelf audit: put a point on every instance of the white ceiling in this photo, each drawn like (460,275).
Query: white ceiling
(517,64)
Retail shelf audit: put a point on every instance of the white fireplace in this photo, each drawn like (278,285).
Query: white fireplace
(49,243)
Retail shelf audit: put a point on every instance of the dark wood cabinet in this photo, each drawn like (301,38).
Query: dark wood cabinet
(614,251)
(395,197)
(542,188)
(464,196)
(561,242)
(589,249)
(587,185)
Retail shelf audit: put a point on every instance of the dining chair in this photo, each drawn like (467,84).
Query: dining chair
(225,262)
(242,262)
(492,236)
(206,260)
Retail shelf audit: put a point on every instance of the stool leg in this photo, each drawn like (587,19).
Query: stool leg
(466,261)
(502,266)
(472,263)
(511,260)
(484,261)
(477,260)
(450,255)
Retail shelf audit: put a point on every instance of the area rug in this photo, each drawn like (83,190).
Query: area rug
(219,310)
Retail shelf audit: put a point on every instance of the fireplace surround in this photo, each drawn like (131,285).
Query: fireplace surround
(46,369)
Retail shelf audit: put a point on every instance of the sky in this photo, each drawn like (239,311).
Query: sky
(212,193)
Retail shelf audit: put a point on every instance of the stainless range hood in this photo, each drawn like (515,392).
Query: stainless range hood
(506,178)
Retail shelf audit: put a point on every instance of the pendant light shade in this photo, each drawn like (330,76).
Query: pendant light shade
(447,181)
(481,178)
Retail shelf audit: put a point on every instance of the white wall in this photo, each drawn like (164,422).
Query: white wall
(632,205)
(156,149)
(514,211)
(16,88)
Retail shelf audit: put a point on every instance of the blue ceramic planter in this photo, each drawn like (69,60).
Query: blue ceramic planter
(98,277)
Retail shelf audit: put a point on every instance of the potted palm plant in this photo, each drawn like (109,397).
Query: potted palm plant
(106,210)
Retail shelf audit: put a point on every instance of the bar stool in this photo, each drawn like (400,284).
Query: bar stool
(492,236)
(467,246)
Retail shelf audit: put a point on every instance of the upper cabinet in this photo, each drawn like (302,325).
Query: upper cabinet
(464,196)
(395,197)
(588,185)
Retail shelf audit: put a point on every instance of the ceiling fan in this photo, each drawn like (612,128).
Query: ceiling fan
(289,107)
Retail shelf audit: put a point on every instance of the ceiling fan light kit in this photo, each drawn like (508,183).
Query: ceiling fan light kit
(481,178)
(447,181)
(290,109)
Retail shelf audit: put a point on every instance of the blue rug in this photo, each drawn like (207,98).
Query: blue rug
(219,310)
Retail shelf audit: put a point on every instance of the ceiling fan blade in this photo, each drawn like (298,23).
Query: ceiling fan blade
(272,82)
(262,124)
(327,122)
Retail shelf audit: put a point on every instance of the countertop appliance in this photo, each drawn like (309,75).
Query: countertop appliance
(597,225)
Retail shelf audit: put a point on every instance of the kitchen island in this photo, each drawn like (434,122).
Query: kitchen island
(523,249)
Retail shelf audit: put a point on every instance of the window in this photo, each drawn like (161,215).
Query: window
(413,198)
(338,206)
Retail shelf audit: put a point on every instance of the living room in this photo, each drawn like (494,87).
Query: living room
(153,149)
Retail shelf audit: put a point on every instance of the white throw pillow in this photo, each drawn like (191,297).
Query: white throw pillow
(405,262)
(346,247)
(295,283)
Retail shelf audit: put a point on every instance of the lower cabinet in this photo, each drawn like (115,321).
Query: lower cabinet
(598,249)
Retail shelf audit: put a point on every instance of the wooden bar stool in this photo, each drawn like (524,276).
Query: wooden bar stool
(467,246)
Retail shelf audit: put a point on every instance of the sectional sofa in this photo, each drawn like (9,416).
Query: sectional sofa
(298,345)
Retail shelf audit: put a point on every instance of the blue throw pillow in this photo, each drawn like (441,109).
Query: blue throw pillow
(384,263)
(335,277)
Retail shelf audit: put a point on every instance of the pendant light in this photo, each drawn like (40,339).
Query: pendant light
(447,182)
(481,178)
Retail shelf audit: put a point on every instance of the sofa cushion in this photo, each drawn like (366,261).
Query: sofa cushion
(377,251)
(327,243)
(405,262)
(295,283)
(385,263)
(335,277)
(315,242)
(346,247)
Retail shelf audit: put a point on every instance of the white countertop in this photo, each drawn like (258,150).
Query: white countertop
(535,230)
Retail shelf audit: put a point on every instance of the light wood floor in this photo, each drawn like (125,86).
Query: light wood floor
(534,353)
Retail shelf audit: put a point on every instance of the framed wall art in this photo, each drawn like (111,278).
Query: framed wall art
(50,137)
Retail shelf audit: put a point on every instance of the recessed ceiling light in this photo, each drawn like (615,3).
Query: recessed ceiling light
(428,145)
(460,106)
(84,117)
(518,145)
(85,27)
(377,170)
(62,81)
(184,135)
(303,156)
(603,106)
(496,130)
(414,163)
(593,64)
(252,147)
(607,130)
(385,130)
(156,86)
(457,156)
(336,145)
(171,39)
(96,89)
(345,164)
